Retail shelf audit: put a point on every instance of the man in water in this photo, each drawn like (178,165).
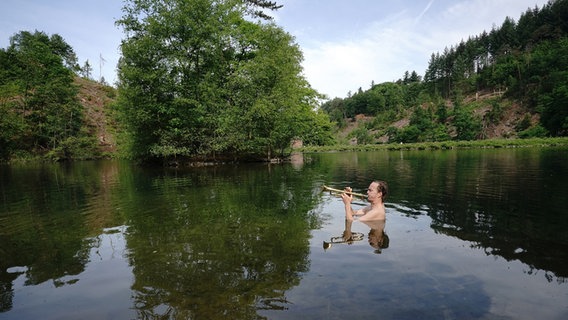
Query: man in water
(373,215)
(376,193)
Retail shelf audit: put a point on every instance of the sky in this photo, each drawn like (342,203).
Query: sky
(347,45)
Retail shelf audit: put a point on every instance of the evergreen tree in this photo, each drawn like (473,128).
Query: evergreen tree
(87,70)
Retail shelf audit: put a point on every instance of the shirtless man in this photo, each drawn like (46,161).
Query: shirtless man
(373,215)
(376,193)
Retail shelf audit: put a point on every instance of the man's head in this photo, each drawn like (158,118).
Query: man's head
(379,187)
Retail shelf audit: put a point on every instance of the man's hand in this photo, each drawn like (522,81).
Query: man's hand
(347,198)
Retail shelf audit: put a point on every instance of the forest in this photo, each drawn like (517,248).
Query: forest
(220,81)
(522,63)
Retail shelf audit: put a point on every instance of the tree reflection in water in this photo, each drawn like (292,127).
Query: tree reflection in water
(214,250)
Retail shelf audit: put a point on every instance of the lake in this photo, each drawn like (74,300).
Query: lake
(470,234)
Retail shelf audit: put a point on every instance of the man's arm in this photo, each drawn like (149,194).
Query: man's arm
(349,212)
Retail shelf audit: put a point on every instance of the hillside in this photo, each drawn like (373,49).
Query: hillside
(97,99)
(503,126)
(505,83)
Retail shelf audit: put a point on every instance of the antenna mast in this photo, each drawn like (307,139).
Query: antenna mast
(101,64)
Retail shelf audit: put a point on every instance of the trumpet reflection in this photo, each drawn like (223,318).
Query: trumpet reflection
(377,237)
(356,236)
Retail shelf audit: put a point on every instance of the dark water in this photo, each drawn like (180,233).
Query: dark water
(478,234)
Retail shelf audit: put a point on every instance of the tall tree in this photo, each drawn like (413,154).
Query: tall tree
(39,98)
(198,78)
(87,70)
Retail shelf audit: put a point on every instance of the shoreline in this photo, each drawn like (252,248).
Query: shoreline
(442,145)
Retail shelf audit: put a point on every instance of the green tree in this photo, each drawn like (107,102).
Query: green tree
(549,74)
(319,130)
(555,109)
(37,94)
(336,110)
(86,70)
(11,122)
(362,135)
(408,134)
(272,102)
(422,119)
(467,125)
(199,78)
(392,96)
(442,112)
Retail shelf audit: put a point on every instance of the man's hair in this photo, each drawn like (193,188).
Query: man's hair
(382,187)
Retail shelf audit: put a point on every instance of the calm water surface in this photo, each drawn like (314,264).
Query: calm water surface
(470,234)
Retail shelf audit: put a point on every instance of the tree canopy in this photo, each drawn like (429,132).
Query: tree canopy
(38,101)
(203,78)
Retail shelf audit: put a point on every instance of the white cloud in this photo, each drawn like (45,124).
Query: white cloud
(384,48)
(88,27)
(382,52)
(424,11)
(346,44)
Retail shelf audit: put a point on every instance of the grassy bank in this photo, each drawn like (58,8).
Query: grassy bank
(492,143)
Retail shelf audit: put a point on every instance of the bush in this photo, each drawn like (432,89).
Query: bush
(468,126)
(363,136)
(537,131)
(408,134)
(74,148)
(524,123)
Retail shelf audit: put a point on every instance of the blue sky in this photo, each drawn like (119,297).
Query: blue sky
(346,44)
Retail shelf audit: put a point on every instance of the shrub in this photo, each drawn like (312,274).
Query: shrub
(537,131)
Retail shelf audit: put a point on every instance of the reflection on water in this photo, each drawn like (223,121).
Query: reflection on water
(467,233)
(376,237)
(101,289)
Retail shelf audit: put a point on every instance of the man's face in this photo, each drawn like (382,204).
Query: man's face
(373,191)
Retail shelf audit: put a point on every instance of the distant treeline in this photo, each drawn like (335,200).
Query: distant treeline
(527,61)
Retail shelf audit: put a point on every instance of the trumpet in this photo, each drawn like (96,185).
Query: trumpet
(339,192)
(356,236)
